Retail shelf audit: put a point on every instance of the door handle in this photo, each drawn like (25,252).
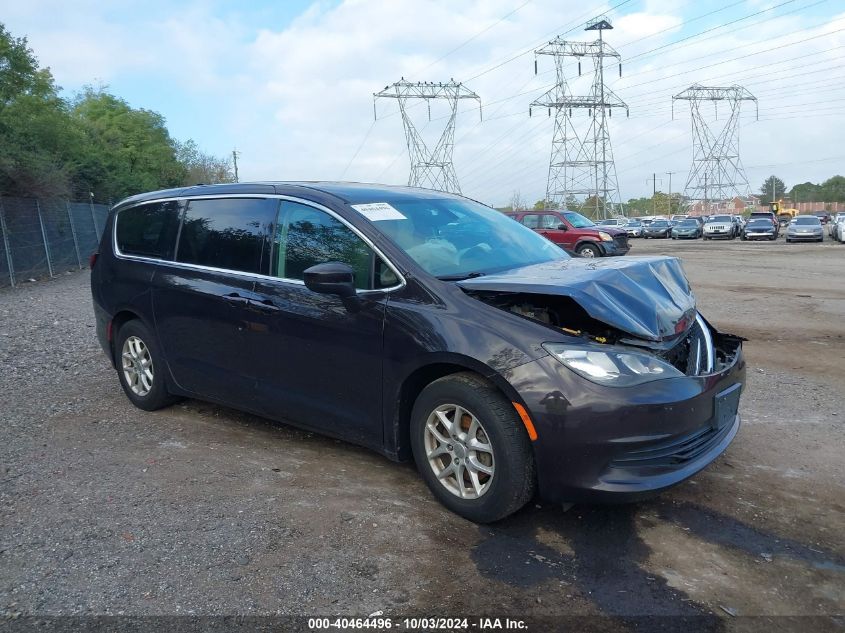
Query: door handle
(263,305)
(234,299)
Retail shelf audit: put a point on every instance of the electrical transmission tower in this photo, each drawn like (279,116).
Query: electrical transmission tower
(716,172)
(432,169)
(582,164)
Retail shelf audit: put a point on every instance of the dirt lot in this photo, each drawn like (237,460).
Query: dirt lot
(198,509)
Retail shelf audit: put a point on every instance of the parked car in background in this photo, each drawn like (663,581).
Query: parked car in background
(575,233)
(805,228)
(424,326)
(719,227)
(658,228)
(759,229)
(771,217)
(838,232)
(634,228)
(784,219)
(677,218)
(686,229)
(834,219)
(823,216)
(617,222)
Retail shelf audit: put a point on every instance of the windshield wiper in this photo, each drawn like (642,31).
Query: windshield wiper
(460,277)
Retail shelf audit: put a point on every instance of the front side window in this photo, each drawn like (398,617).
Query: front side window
(307,236)
(230,233)
(577,220)
(148,230)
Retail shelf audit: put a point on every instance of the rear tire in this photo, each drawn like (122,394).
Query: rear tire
(140,367)
(487,419)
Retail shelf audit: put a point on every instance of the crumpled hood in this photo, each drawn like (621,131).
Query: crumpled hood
(647,297)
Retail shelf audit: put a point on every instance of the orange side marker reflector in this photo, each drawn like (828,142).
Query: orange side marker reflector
(529,425)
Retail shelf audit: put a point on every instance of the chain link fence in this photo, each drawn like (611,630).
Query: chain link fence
(46,237)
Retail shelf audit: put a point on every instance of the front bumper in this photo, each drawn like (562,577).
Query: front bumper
(685,234)
(606,444)
(804,237)
(614,248)
(760,236)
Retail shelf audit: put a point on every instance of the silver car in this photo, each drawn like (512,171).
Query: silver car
(838,230)
(831,226)
(805,228)
(634,228)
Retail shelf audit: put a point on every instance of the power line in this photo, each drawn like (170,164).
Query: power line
(474,37)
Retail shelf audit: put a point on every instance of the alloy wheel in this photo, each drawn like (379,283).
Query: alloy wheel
(137,366)
(459,451)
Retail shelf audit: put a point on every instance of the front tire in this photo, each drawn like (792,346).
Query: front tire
(588,250)
(140,367)
(471,448)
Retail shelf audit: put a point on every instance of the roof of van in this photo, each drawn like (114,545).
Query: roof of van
(351,192)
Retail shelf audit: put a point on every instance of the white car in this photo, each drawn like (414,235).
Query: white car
(838,232)
(720,226)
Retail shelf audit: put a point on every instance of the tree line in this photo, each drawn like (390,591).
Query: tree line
(91,146)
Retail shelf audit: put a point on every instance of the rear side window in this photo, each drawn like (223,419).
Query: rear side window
(230,233)
(307,236)
(148,230)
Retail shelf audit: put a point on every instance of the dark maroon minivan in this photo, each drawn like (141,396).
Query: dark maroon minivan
(425,326)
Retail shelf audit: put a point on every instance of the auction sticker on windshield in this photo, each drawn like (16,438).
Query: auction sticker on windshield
(377,211)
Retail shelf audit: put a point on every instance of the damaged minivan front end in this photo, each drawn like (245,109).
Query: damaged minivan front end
(637,392)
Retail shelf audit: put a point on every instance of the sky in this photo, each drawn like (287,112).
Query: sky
(290,83)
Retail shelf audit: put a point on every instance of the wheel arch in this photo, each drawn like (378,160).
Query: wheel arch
(589,242)
(121,318)
(399,438)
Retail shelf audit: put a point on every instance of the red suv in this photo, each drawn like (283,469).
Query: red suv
(575,233)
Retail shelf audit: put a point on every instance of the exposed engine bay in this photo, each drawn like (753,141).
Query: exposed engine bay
(696,350)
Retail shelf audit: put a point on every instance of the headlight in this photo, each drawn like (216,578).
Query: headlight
(605,237)
(613,368)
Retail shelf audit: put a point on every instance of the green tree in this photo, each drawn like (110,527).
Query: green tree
(39,143)
(133,149)
(772,184)
(202,168)
(833,189)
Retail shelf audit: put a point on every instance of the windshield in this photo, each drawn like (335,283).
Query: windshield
(634,223)
(456,238)
(807,219)
(577,220)
(659,223)
(721,218)
(758,222)
(688,223)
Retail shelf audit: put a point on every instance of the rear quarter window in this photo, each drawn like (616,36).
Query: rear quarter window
(148,230)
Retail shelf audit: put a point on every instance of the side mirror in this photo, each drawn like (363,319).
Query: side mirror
(562,227)
(333,278)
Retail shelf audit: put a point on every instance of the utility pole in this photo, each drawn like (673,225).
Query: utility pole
(706,201)
(669,173)
(235,154)
(715,152)
(581,162)
(432,169)
(654,180)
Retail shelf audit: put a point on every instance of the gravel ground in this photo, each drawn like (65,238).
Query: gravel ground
(199,509)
